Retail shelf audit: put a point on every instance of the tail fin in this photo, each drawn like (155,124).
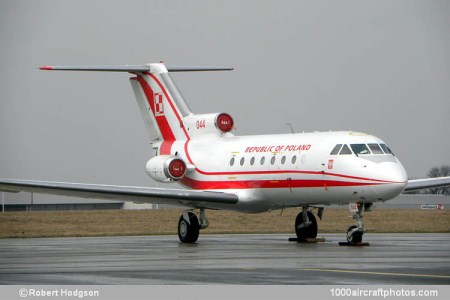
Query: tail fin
(162,105)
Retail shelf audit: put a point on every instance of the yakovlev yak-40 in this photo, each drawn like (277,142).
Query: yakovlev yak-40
(243,173)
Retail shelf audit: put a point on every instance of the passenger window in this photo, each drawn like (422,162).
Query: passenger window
(272,160)
(294,159)
(336,149)
(263,159)
(283,160)
(360,149)
(232,161)
(345,150)
(386,149)
(252,161)
(242,161)
(375,148)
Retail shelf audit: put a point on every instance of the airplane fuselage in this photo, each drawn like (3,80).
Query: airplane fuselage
(289,170)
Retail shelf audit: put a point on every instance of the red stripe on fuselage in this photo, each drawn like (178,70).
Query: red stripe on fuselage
(264,184)
(268,172)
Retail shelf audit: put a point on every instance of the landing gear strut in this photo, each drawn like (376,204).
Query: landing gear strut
(305,225)
(355,232)
(189,226)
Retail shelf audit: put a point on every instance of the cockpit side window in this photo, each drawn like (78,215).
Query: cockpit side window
(345,150)
(336,149)
(360,149)
(386,149)
(375,148)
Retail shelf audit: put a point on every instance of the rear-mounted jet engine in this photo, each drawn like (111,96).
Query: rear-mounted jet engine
(166,168)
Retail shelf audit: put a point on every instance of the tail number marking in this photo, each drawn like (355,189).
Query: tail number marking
(201,124)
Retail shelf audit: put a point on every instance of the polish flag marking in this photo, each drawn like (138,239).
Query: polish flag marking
(159,106)
(330,164)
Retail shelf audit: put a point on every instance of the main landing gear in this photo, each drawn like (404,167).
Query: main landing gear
(189,226)
(306,226)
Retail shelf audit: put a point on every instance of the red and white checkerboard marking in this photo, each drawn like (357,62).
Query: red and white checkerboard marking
(159,106)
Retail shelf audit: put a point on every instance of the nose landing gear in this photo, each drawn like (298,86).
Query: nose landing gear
(355,232)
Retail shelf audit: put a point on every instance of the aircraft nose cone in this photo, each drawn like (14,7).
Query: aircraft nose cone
(395,172)
(395,177)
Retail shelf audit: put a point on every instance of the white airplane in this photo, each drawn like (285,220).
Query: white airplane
(249,174)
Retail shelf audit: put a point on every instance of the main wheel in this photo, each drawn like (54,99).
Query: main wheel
(308,231)
(354,238)
(188,233)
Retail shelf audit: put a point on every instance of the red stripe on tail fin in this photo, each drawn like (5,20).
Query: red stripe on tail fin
(155,102)
(163,124)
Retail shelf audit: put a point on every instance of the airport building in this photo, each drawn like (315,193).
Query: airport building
(36,202)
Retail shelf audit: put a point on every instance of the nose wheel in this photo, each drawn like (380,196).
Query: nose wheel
(355,232)
(354,235)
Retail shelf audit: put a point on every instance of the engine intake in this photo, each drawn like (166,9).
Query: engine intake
(166,168)
(224,122)
(204,124)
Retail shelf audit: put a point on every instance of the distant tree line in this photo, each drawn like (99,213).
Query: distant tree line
(436,172)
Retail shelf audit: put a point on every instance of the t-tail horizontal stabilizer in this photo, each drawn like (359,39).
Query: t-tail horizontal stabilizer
(131,68)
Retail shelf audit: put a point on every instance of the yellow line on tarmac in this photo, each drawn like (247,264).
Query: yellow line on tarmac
(377,273)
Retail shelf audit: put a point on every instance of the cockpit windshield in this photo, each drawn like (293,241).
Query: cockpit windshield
(361,149)
(336,149)
(375,148)
(386,149)
(345,150)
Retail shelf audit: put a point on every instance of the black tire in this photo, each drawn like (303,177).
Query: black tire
(188,233)
(306,232)
(356,237)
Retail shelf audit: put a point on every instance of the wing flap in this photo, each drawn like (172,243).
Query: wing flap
(124,193)
(428,183)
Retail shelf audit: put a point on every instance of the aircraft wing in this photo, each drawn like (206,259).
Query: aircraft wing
(199,199)
(429,183)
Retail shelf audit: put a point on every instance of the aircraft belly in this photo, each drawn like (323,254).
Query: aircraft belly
(261,200)
(295,197)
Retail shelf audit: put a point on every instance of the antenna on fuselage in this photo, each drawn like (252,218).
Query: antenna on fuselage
(290,126)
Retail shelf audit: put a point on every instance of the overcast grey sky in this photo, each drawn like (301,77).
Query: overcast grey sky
(381,67)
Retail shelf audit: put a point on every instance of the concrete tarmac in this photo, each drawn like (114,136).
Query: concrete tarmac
(413,259)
